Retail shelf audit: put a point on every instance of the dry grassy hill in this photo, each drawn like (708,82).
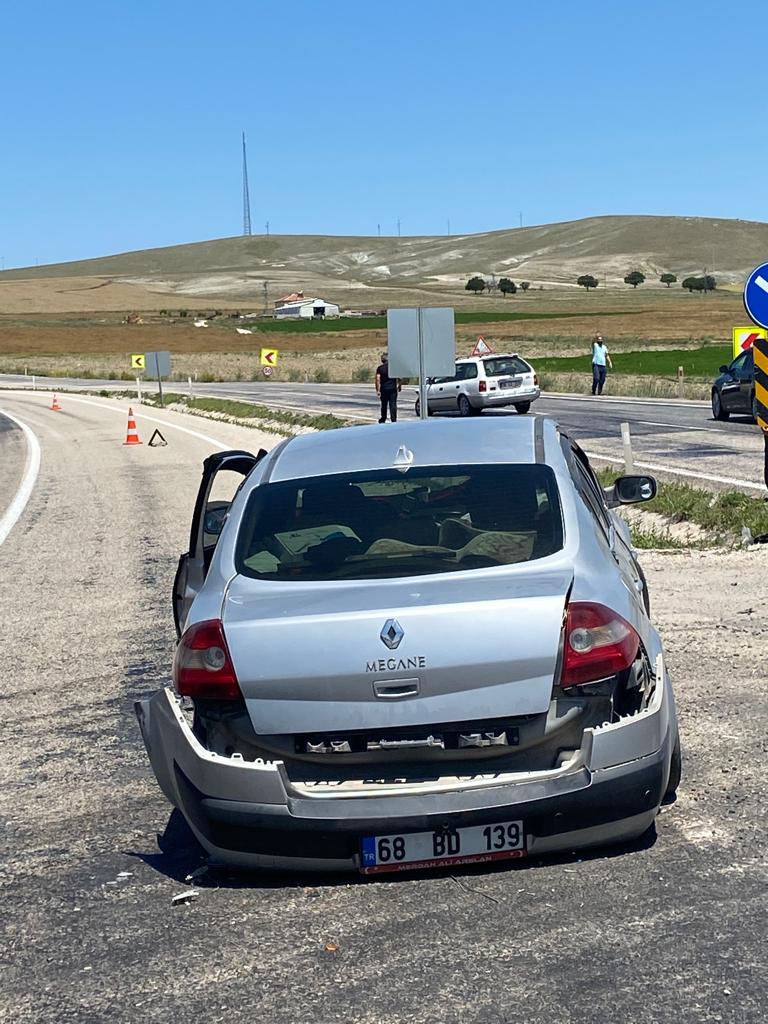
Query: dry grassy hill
(365,271)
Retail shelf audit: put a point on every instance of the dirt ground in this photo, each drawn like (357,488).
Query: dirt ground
(98,345)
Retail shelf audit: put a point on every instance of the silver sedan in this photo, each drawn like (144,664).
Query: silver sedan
(409,646)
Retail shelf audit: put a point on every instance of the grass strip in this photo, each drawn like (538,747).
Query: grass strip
(723,513)
(696,362)
(373,323)
(249,411)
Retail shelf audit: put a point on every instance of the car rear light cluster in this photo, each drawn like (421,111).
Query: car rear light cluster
(203,667)
(598,643)
(482,385)
(536,379)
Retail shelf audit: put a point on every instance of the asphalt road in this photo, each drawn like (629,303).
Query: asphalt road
(670,930)
(676,437)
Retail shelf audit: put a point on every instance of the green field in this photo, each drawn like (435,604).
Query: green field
(378,323)
(696,362)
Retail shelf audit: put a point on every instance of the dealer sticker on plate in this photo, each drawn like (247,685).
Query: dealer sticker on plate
(414,850)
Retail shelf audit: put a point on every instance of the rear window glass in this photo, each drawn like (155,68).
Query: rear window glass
(386,524)
(503,366)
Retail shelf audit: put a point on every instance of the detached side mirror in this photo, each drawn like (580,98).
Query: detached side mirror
(629,490)
(723,369)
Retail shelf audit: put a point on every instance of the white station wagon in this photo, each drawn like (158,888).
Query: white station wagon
(484,382)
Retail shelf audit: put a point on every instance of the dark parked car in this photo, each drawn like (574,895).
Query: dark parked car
(734,390)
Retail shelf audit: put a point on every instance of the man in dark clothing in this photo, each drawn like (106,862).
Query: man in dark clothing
(387,389)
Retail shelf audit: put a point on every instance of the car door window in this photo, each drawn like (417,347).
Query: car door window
(224,487)
(745,370)
(737,367)
(466,371)
(588,486)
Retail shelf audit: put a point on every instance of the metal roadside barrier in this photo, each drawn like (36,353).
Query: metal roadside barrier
(760,352)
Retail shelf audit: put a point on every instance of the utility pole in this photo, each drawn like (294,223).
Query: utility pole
(449,227)
(378,229)
(266,228)
(398,227)
(246,194)
(521,218)
(266,297)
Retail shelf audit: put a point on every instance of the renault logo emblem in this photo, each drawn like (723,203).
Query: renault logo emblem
(391,634)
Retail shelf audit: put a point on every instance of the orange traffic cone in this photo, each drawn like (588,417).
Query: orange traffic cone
(132,437)
(55,404)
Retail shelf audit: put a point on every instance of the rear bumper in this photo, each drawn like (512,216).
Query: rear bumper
(508,396)
(250,814)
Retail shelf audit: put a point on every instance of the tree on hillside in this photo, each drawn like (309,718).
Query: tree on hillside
(507,287)
(475,284)
(634,277)
(707,283)
(525,285)
(667,279)
(587,281)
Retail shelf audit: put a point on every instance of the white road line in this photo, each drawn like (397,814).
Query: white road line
(141,415)
(681,426)
(657,468)
(31,469)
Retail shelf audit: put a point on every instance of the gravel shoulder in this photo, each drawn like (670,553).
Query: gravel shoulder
(668,930)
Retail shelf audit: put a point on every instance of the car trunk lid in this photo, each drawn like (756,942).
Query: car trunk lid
(390,653)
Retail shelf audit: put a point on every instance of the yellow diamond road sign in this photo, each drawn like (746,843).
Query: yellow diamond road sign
(269,356)
(745,337)
(760,349)
(138,361)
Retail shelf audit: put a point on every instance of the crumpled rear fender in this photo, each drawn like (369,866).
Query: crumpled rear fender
(170,742)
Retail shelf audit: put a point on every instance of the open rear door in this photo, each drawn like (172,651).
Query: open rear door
(223,473)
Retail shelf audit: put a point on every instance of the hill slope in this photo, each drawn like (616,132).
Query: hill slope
(366,270)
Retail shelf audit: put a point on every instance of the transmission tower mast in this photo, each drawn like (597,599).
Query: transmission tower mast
(246,194)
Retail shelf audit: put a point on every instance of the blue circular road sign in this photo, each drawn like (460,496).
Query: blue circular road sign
(756,295)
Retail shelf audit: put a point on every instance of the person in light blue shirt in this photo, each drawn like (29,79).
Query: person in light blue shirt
(600,359)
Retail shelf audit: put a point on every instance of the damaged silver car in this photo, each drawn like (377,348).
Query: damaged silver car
(414,645)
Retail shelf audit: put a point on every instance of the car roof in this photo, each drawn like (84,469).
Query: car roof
(490,355)
(447,442)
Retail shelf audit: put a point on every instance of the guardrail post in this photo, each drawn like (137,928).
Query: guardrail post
(680,382)
(138,390)
(34,382)
(191,396)
(626,441)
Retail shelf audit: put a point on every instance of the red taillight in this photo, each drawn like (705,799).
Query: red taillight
(482,385)
(598,643)
(203,667)
(536,379)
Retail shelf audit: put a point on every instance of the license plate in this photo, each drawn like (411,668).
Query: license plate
(514,383)
(412,851)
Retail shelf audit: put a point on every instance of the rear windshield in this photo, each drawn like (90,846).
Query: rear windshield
(503,366)
(386,524)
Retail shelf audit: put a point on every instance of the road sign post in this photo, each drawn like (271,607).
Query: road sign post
(421,343)
(158,365)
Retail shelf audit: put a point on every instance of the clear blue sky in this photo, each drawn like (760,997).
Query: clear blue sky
(120,122)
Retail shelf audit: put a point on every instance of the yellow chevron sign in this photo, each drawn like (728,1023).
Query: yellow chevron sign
(760,351)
